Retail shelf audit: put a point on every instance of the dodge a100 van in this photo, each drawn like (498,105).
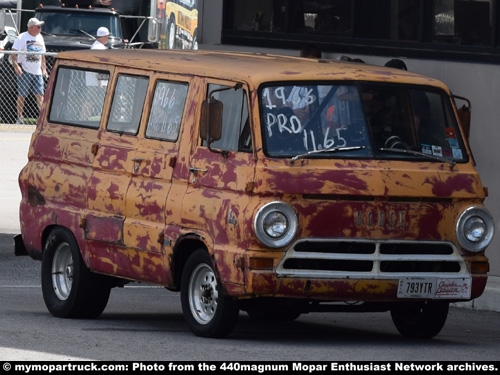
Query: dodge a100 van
(273,185)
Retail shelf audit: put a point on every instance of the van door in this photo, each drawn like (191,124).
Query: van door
(136,158)
(151,180)
(114,163)
(221,179)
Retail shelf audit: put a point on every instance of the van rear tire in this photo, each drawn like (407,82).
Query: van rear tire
(69,289)
(206,310)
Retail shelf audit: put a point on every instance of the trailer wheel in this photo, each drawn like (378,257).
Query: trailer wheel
(69,289)
(422,320)
(207,311)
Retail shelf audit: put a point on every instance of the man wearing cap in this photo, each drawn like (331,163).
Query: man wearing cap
(102,38)
(29,67)
(96,84)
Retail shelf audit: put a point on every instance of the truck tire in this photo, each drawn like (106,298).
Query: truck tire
(69,289)
(172,32)
(194,42)
(206,310)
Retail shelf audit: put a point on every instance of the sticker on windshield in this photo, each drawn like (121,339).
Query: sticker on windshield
(437,150)
(457,153)
(426,149)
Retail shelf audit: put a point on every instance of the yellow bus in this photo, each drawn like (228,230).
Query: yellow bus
(182,23)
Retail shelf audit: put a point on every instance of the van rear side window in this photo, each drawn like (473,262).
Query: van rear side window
(166,110)
(128,103)
(79,97)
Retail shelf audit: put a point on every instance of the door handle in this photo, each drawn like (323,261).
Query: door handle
(195,171)
(137,162)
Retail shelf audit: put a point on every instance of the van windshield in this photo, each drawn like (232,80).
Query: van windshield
(362,120)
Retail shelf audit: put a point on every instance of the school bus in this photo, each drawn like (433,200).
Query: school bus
(182,23)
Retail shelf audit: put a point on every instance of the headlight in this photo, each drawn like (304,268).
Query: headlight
(275,224)
(475,229)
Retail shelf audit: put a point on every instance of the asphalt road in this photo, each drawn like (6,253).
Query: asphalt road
(145,323)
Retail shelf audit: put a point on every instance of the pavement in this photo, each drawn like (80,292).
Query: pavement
(14,159)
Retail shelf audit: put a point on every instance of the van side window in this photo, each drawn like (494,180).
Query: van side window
(128,102)
(78,97)
(167,110)
(236,135)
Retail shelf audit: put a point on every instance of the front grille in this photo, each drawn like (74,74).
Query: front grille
(320,258)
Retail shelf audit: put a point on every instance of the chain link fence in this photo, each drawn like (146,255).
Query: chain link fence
(9,91)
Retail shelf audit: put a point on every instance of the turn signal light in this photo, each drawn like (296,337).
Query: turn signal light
(261,263)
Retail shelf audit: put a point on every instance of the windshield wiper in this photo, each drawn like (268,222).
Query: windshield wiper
(418,153)
(331,149)
(83,32)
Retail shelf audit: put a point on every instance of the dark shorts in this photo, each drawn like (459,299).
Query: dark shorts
(27,81)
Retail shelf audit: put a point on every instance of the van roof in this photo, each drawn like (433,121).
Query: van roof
(254,68)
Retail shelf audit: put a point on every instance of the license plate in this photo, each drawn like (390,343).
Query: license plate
(434,287)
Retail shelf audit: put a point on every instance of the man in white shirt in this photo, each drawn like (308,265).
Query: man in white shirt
(30,67)
(102,38)
(96,85)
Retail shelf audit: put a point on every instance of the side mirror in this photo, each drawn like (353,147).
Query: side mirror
(211,120)
(153,31)
(11,36)
(464,114)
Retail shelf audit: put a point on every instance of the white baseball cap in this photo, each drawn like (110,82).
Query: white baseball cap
(35,22)
(102,31)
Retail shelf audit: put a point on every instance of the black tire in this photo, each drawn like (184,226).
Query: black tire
(69,289)
(422,320)
(206,310)
(172,33)
(194,42)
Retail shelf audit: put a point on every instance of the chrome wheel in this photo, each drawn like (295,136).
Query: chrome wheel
(203,295)
(62,271)
(208,312)
(69,289)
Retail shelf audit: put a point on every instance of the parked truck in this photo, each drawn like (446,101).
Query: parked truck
(72,24)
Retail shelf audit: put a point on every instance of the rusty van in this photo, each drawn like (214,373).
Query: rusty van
(272,185)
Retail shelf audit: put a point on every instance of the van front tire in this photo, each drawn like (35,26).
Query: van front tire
(420,320)
(69,289)
(207,311)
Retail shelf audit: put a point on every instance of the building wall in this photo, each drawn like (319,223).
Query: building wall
(476,81)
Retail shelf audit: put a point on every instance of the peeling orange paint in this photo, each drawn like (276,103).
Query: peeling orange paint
(138,206)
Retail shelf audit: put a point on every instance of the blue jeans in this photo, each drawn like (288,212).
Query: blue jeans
(27,81)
